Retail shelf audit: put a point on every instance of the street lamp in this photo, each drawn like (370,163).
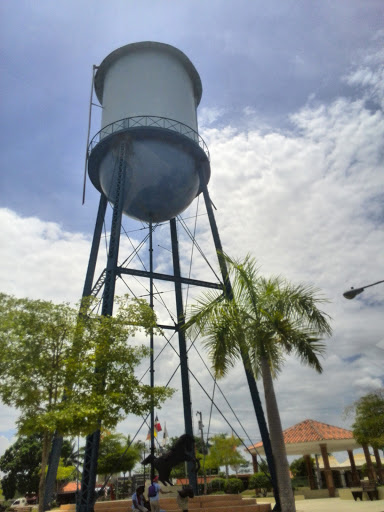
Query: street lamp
(351,294)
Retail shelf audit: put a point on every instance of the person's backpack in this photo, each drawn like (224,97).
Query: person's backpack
(152,491)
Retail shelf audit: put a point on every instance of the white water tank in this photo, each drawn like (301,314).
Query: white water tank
(149,93)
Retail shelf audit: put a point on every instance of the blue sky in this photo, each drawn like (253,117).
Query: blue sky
(292,111)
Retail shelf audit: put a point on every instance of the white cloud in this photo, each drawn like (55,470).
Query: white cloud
(209,115)
(368,384)
(368,77)
(40,260)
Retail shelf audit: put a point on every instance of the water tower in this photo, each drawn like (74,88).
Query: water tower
(149,161)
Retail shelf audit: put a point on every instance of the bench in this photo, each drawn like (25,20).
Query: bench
(368,487)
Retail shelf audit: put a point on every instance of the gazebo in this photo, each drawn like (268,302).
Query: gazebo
(311,437)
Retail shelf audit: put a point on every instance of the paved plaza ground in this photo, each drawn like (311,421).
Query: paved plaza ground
(337,505)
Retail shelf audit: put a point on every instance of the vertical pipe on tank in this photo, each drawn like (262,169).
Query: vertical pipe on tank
(89,131)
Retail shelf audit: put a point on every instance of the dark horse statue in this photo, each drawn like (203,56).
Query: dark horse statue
(180,452)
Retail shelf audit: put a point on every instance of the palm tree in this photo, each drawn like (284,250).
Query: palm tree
(266,319)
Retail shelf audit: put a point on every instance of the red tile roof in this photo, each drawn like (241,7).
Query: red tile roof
(311,430)
(71,487)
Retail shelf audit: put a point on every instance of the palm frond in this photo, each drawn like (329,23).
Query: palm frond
(263,318)
(206,307)
(303,301)
(309,348)
(222,346)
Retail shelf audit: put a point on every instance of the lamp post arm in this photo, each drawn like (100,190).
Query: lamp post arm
(351,294)
(373,284)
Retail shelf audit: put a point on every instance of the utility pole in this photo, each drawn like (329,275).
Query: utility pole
(200,427)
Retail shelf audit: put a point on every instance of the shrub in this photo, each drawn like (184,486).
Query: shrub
(260,481)
(234,486)
(216,485)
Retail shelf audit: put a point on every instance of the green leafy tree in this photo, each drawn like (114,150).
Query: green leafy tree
(298,467)
(223,452)
(115,454)
(368,427)
(364,469)
(260,481)
(266,319)
(49,350)
(207,465)
(65,474)
(20,465)
(201,446)
(300,472)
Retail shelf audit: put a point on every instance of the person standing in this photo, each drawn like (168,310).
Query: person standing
(154,491)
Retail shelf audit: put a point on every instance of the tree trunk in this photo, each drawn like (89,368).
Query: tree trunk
(277,440)
(47,439)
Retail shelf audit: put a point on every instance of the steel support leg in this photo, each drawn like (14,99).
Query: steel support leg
(57,442)
(250,377)
(88,482)
(151,345)
(53,465)
(192,475)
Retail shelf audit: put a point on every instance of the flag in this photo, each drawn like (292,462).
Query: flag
(165,435)
(157,425)
(156,428)
(149,434)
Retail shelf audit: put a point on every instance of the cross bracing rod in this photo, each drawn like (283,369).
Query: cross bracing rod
(99,284)
(167,277)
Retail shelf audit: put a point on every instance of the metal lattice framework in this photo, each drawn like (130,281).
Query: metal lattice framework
(107,280)
(149,121)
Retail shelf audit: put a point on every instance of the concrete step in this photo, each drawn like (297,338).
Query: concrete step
(244,507)
(212,503)
(199,502)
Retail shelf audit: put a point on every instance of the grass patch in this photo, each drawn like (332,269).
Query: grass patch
(249,492)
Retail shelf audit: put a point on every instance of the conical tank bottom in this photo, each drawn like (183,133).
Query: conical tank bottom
(161,172)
